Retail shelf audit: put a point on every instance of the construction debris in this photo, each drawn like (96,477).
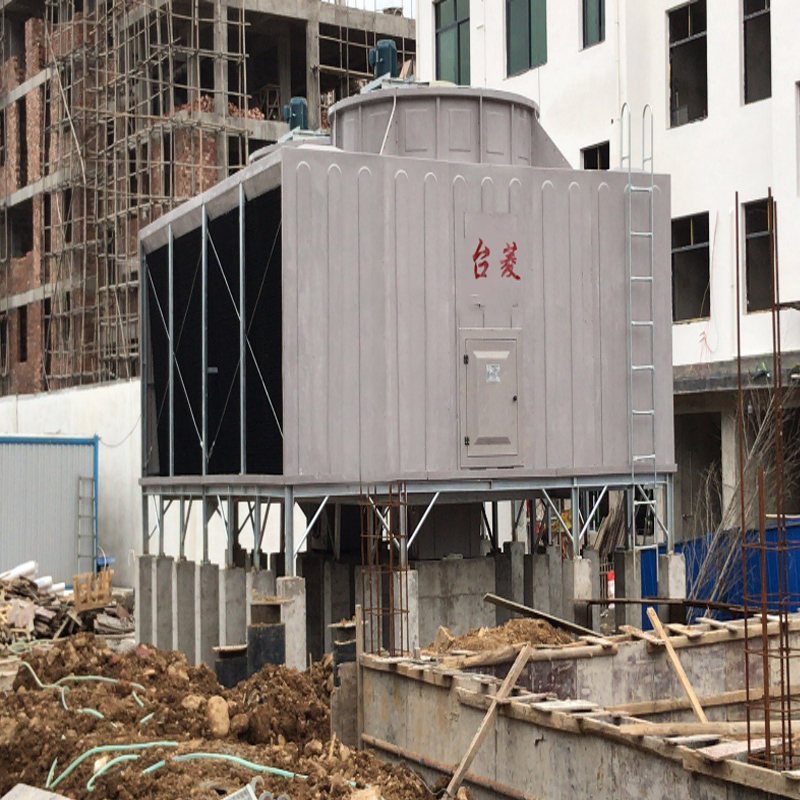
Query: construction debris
(31,609)
(515,631)
(180,733)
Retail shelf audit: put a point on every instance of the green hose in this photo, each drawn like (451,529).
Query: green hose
(108,748)
(60,681)
(91,712)
(136,698)
(147,718)
(107,767)
(280,773)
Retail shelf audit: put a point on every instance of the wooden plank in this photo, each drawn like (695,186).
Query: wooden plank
(676,665)
(667,705)
(488,721)
(639,634)
(718,624)
(690,728)
(765,781)
(725,750)
(684,630)
(527,611)
(698,740)
(601,640)
(565,706)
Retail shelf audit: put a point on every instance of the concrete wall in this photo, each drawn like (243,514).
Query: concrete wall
(529,755)
(111,412)
(744,147)
(451,594)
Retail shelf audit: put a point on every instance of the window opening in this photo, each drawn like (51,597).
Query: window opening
(4,365)
(594,22)
(598,156)
(688,68)
(526,35)
(691,268)
(452,41)
(757,51)
(23,334)
(757,259)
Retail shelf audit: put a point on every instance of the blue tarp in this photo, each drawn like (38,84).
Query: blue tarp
(695,550)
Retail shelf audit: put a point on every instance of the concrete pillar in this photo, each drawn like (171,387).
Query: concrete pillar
(145,599)
(165,567)
(555,578)
(221,79)
(312,70)
(541,581)
(593,614)
(510,577)
(579,589)
(284,65)
(672,584)
(186,607)
(207,619)
(729,451)
(293,616)
(234,583)
(411,602)
(370,604)
(628,583)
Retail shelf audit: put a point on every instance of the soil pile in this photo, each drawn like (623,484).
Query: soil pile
(515,631)
(279,718)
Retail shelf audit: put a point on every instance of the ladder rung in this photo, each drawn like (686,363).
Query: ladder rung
(647,189)
(642,234)
(641,277)
(641,323)
(641,367)
(637,459)
(643,413)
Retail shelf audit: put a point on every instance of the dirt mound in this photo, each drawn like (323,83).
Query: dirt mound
(515,631)
(284,705)
(279,718)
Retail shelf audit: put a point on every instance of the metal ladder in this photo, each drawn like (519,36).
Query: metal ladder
(641,336)
(87,525)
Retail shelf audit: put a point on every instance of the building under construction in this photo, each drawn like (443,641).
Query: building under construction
(114,111)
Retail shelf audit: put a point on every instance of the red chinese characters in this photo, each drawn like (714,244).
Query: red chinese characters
(509,261)
(479,260)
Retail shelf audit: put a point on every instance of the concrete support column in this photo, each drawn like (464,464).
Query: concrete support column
(510,576)
(207,620)
(411,601)
(221,79)
(578,589)
(293,616)
(233,581)
(146,599)
(312,70)
(555,579)
(165,568)
(672,584)
(284,65)
(729,447)
(541,581)
(369,597)
(628,583)
(593,614)
(186,607)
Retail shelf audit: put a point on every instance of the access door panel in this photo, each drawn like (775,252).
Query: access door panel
(492,407)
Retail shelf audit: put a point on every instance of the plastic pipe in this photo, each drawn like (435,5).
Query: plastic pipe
(108,748)
(107,767)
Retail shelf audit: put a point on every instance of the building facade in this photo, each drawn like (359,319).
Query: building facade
(722,83)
